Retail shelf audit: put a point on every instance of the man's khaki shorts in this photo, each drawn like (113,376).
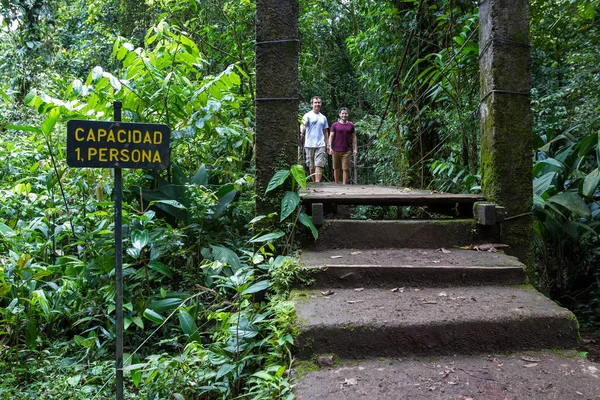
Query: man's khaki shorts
(315,157)
(341,160)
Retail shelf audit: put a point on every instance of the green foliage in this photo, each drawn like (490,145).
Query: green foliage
(195,288)
(567,225)
(448,176)
(291,200)
(565,104)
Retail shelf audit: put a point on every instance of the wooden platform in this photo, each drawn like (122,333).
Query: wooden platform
(456,205)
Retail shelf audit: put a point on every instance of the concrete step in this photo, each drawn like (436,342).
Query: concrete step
(378,322)
(531,376)
(404,267)
(368,234)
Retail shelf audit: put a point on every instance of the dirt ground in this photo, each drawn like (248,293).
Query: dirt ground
(590,343)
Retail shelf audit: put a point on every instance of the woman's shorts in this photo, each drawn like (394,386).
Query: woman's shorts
(341,160)
(315,157)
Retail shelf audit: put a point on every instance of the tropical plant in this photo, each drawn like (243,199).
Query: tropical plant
(566,193)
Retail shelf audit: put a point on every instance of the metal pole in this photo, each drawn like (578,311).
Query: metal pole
(118,268)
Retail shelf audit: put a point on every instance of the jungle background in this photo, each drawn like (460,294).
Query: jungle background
(206,280)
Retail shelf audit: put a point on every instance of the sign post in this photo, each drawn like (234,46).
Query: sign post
(117,145)
(118,269)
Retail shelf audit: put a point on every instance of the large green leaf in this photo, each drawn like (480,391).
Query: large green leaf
(172,203)
(26,128)
(257,287)
(278,178)
(5,228)
(224,200)
(572,202)
(188,326)
(50,120)
(267,237)
(538,202)
(590,183)
(588,143)
(288,204)
(153,316)
(245,329)
(226,256)
(554,165)
(160,267)
(201,177)
(307,221)
(97,73)
(299,175)
(163,305)
(139,238)
(543,183)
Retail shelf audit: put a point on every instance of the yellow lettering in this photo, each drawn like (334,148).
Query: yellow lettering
(113,155)
(122,135)
(92,153)
(101,134)
(156,158)
(91,137)
(137,136)
(135,155)
(147,138)
(77,132)
(146,156)
(157,137)
(111,137)
(124,155)
(102,156)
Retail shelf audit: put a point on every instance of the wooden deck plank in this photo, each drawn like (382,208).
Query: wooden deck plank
(380,195)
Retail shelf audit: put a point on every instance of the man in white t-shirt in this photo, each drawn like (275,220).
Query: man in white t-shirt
(316,139)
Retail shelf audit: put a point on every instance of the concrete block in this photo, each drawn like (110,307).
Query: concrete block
(485,214)
(317,214)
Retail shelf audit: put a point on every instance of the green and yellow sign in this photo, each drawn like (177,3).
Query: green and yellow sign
(99,144)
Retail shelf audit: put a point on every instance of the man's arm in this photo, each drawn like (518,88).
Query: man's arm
(327,139)
(303,128)
(354,142)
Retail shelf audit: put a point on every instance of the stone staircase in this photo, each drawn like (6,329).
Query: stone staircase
(385,290)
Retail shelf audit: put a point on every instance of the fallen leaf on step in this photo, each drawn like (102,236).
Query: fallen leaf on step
(442,294)
(487,246)
(359,289)
(394,289)
(530,365)
(354,301)
(336,256)
(356,252)
(469,247)
(327,293)
(443,250)
(436,261)
(492,250)
(530,359)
